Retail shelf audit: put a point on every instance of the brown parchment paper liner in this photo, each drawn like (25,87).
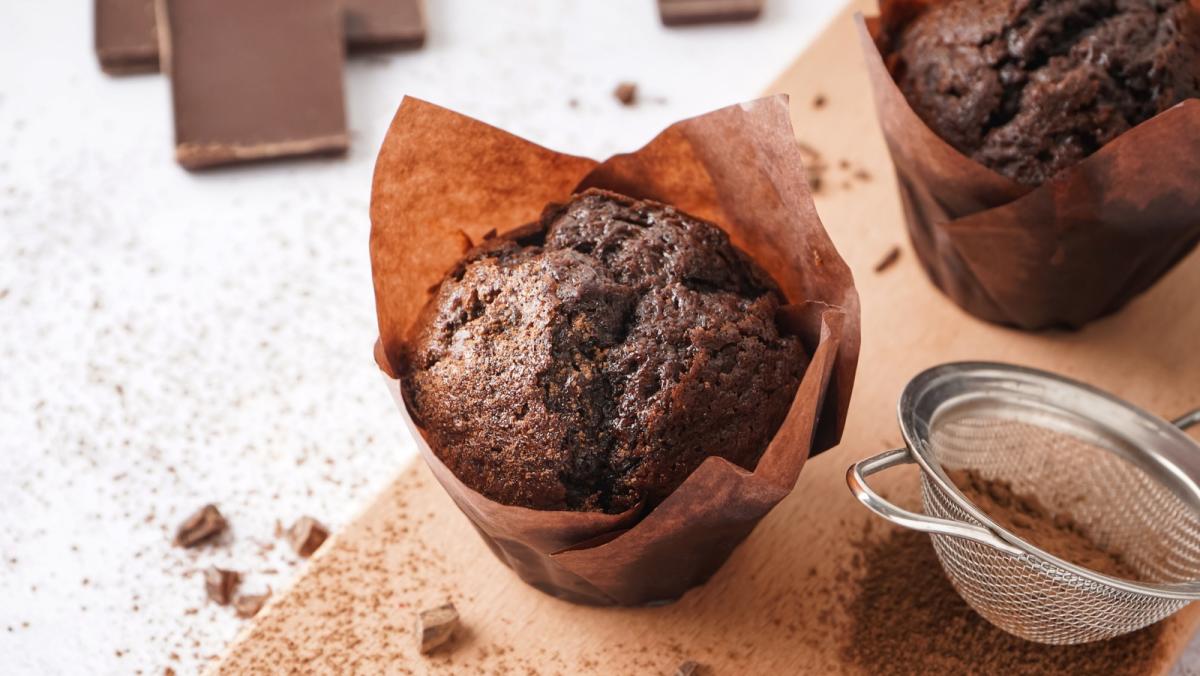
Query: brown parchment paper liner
(1059,255)
(442,178)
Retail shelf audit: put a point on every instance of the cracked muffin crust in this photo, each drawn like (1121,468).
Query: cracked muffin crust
(1030,87)
(595,365)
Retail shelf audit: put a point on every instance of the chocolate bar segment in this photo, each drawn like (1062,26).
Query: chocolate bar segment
(126,38)
(254,79)
(689,12)
(374,25)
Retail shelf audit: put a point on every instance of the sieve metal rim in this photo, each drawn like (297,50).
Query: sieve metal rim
(922,397)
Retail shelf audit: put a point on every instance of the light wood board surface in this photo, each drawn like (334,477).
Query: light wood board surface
(779,604)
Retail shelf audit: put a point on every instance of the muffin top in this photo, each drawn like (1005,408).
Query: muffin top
(596,364)
(1029,88)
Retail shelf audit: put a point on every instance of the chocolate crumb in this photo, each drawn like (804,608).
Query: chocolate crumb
(626,93)
(814,165)
(248,605)
(819,101)
(168,672)
(889,259)
(436,626)
(220,584)
(688,668)
(306,536)
(203,526)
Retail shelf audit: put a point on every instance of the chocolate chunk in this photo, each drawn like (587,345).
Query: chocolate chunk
(254,80)
(220,584)
(687,12)
(203,526)
(306,535)
(435,627)
(889,259)
(688,668)
(248,605)
(126,38)
(626,93)
(384,24)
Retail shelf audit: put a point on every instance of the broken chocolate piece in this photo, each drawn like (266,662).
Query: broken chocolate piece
(889,259)
(220,584)
(203,526)
(688,668)
(688,12)
(126,38)
(436,626)
(254,80)
(248,605)
(373,25)
(306,535)
(626,93)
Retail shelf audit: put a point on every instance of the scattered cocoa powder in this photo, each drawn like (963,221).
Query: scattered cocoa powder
(1027,518)
(907,619)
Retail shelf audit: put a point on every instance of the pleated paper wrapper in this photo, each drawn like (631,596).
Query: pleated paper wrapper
(1058,255)
(443,180)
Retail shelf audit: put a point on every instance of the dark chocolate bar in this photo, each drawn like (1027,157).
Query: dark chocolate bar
(688,12)
(384,24)
(126,40)
(254,79)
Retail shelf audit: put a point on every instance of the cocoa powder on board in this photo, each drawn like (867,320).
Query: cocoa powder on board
(906,619)
(1026,517)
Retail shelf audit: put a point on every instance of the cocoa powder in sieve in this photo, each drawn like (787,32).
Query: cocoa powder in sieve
(906,619)
(1026,517)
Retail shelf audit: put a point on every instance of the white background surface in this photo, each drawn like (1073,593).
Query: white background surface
(169,339)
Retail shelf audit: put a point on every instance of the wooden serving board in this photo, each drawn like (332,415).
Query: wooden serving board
(779,604)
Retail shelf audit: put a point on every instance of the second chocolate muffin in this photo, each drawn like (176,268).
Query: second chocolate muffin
(597,364)
(1029,88)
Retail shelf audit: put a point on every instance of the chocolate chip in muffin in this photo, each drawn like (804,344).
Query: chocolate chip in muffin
(595,366)
(1031,88)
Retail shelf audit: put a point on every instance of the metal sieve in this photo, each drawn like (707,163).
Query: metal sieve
(1129,479)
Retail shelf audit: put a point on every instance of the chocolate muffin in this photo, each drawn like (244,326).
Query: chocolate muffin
(595,364)
(1029,87)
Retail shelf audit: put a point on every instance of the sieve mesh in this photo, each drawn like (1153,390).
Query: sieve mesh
(1074,470)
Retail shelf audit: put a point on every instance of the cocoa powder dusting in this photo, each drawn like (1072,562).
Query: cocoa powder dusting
(1027,518)
(907,619)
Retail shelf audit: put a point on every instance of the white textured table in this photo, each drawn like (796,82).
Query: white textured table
(169,339)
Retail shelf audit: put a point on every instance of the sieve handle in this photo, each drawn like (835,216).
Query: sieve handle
(856,478)
(1189,420)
